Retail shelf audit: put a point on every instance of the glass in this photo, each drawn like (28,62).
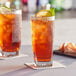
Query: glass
(10,32)
(42,40)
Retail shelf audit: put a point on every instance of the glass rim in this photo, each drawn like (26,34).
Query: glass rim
(13,11)
(49,18)
(16,11)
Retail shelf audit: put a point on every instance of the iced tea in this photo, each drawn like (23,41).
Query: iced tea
(42,39)
(10,32)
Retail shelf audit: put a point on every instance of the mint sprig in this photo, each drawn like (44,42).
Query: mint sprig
(52,10)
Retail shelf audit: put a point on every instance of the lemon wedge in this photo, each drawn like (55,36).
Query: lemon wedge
(43,13)
(4,9)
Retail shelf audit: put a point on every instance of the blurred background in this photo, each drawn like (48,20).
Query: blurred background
(65,14)
(63,8)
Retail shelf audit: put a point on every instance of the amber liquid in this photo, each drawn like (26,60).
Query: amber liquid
(42,40)
(7,40)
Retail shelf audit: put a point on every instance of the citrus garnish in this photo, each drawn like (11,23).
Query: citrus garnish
(4,9)
(46,13)
(43,13)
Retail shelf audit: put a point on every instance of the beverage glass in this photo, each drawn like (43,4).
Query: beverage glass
(10,32)
(42,40)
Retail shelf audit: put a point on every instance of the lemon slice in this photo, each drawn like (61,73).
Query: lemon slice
(46,13)
(4,9)
(43,13)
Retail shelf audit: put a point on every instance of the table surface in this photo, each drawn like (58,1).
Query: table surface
(65,30)
(16,67)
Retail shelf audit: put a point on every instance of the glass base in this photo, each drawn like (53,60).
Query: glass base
(43,64)
(8,54)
